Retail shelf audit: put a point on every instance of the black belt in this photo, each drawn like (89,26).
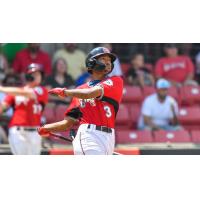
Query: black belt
(102,128)
(26,129)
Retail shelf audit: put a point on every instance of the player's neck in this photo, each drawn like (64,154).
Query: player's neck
(97,76)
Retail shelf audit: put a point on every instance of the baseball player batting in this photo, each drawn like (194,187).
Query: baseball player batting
(28,103)
(94,106)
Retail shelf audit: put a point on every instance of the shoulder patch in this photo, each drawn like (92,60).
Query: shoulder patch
(108,82)
(39,90)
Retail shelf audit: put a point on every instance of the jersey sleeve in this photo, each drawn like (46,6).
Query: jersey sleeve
(112,88)
(73,111)
(41,94)
(9,100)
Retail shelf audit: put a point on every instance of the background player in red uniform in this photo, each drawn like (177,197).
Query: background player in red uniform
(94,105)
(28,103)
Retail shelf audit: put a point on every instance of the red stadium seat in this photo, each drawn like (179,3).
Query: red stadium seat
(173,92)
(134,113)
(195,136)
(133,136)
(148,90)
(189,115)
(60,112)
(49,114)
(172,136)
(123,116)
(149,66)
(191,127)
(132,94)
(190,95)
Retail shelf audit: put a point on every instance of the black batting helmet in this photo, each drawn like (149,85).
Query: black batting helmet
(93,63)
(33,67)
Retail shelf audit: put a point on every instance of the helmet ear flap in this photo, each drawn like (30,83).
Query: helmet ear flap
(91,62)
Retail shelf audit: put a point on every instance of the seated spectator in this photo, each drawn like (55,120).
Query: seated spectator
(159,111)
(117,71)
(31,54)
(11,80)
(74,57)
(138,74)
(178,69)
(3,66)
(59,78)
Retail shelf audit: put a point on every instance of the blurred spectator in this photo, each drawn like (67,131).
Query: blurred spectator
(3,66)
(59,78)
(178,69)
(31,54)
(11,80)
(10,50)
(159,111)
(85,77)
(117,71)
(74,57)
(138,74)
(3,136)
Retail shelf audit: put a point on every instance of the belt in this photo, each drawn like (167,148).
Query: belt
(101,128)
(26,129)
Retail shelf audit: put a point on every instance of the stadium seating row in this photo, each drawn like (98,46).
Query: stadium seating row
(54,114)
(185,96)
(128,115)
(161,136)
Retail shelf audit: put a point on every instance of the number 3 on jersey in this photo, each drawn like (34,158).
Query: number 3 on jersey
(108,111)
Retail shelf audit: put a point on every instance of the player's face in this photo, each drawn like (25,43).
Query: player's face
(37,77)
(107,61)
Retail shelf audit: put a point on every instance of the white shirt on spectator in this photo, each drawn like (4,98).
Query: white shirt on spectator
(160,112)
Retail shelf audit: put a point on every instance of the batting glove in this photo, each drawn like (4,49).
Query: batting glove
(58,91)
(44,133)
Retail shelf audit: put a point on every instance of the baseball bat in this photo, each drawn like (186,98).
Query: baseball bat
(61,137)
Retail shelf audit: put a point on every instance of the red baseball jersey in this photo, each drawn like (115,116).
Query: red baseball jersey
(100,111)
(174,69)
(27,112)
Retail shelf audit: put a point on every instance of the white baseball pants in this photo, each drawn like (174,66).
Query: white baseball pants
(93,142)
(24,142)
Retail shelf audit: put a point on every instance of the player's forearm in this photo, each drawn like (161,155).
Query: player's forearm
(58,126)
(83,93)
(15,91)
